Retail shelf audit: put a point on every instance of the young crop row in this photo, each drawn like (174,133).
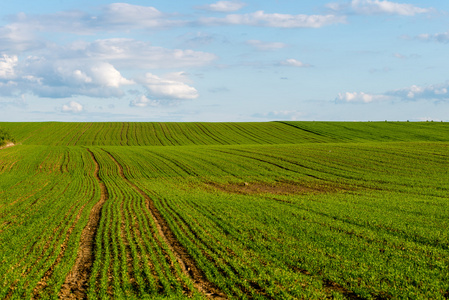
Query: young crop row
(155,134)
(45,200)
(376,131)
(369,220)
(181,134)
(132,258)
(251,221)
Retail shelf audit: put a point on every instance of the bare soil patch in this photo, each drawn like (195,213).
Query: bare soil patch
(76,282)
(278,188)
(7,145)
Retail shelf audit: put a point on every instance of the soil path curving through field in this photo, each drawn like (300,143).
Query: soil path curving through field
(187,263)
(76,282)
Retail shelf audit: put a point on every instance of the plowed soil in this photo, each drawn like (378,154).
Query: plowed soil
(278,188)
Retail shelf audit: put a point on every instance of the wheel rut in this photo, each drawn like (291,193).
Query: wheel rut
(187,263)
(76,282)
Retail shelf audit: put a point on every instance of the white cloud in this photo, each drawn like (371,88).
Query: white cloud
(125,12)
(72,107)
(79,74)
(294,63)
(223,6)
(94,69)
(360,97)
(266,46)
(131,53)
(7,66)
(436,92)
(386,7)
(374,7)
(437,37)
(178,76)
(260,18)
(430,92)
(143,101)
(112,17)
(124,15)
(106,75)
(18,37)
(59,78)
(169,88)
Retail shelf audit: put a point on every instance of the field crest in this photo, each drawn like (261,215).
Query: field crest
(193,134)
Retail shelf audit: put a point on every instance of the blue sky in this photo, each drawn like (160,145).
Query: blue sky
(355,60)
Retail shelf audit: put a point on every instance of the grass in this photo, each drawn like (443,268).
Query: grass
(279,210)
(222,133)
(5,137)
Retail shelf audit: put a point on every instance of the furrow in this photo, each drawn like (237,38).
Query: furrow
(75,285)
(186,262)
(43,283)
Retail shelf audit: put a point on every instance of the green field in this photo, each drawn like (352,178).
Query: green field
(278,210)
(5,137)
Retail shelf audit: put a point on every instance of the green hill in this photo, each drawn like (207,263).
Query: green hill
(274,210)
(198,133)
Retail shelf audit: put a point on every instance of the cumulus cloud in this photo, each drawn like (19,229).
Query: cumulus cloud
(260,18)
(131,53)
(7,66)
(106,75)
(437,37)
(72,107)
(18,37)
(415,92)
(120,14)
(59,78)
(223,6)
(127,16)
(115,16)
(166,90)
(143,101)
(266,46)
(294,63)
(171,86)
(360,97)
(93,68)
(376,7)
(436,92)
